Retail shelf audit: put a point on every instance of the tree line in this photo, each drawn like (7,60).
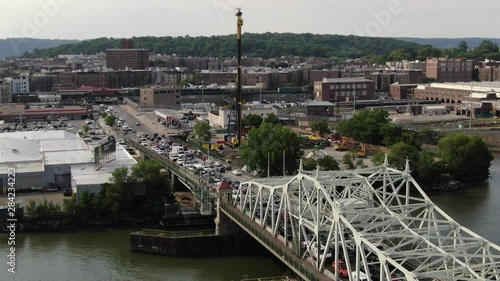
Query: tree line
(138,192)
(271,147)
(336,48)
(264,45)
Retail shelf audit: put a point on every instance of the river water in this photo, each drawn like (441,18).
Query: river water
(106,255)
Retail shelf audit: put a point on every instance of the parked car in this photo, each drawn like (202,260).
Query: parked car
(67,192)
(237,172)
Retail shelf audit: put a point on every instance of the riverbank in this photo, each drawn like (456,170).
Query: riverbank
(27,224)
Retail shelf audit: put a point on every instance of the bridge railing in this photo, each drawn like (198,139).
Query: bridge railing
(194,181)
(272,243)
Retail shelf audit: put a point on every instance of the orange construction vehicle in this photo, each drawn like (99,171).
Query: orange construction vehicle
(362,152)
(342,146)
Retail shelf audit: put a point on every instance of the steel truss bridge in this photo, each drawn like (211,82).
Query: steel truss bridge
(377,221)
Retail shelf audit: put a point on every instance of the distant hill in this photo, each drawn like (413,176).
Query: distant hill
(448,42)
(265,45)
(18,46)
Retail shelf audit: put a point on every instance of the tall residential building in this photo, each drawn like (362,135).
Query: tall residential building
(19,85)
(344,89)
(449,70)
(5,92)
(160,97)
(127,58)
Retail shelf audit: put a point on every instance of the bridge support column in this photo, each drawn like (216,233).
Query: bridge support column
(217,218)
(172,182)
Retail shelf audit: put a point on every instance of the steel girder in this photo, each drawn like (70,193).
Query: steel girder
(378,221)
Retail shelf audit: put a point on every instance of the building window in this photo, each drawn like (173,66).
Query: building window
(364,93)
(342,86)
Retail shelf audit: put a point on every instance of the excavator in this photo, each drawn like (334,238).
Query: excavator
(342,146)
(362,152)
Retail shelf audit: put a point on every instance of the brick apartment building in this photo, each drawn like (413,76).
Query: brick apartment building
(319,75)
(127,58)
(344,89)
(118,79)
(43,83)
(449,70)
(160,97)
(402,91)
(489,73)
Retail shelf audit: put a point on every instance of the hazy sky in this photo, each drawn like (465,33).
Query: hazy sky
(85,19)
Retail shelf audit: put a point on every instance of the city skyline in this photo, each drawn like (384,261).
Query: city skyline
(78,19)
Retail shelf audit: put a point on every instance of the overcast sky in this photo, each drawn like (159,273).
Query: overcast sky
(86,19)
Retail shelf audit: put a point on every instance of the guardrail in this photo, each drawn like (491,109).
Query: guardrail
(195,183)
(280,250)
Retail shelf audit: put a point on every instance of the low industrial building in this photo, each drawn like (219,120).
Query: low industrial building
(91,176)
(320,108)
(13,113)
(454,92)
(225,116)
(56,159)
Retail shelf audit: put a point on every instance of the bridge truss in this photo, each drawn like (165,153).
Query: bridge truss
(377,221)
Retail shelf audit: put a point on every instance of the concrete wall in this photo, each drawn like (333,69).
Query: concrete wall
(26,180)
(58,170)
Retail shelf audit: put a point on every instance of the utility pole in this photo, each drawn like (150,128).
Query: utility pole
(239,78)
(284,169)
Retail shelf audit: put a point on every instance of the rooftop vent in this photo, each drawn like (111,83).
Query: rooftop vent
(14,150)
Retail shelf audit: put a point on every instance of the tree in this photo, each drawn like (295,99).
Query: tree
(319,126)
(110,120)
(462,46)
(272,119)
(328,163)
(104,114)
(427,171)
(270,141)
(252,121)
(86,128)
(118,193)
(202,132)
(365,126)
(352,162)
(400,152)
(147,177)
(466,157)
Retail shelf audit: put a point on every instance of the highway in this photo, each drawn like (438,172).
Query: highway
(149,125)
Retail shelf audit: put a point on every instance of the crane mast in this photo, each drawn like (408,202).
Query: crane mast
(234,125)
(238,129)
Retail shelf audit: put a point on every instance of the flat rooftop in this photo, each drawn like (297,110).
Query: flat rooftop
(91,174)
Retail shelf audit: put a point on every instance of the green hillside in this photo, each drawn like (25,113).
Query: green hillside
(14,47)
(264,45)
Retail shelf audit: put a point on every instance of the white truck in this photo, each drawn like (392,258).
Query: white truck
(177,148)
